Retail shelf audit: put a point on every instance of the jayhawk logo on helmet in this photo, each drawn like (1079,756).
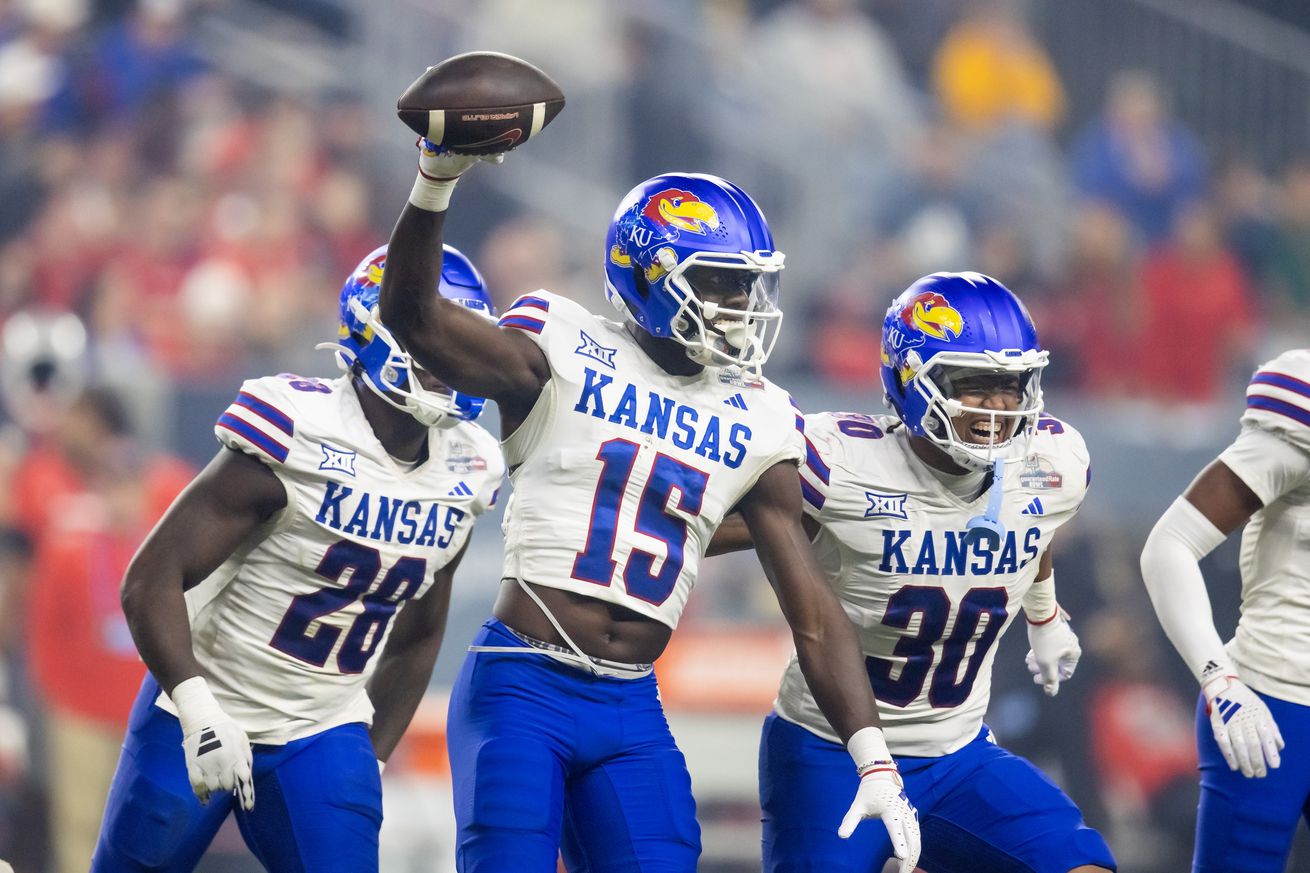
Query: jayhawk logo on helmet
(930,313)
(674,207)
(663,216)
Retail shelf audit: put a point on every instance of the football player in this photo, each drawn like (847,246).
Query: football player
(628,442)
(934,528)
(263,600)
(1256,689)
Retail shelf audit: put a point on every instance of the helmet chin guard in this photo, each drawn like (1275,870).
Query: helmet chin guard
(932,386)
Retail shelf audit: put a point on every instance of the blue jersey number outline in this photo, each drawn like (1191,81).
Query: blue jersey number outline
(401,582)
(933,607)
(595,563)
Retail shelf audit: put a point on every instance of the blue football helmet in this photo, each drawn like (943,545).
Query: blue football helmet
(950,326)
(679,231)
(365,346)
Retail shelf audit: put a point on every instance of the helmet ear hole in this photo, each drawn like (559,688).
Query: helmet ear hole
(639,282)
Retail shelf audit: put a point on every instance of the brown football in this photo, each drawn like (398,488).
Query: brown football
(480,103)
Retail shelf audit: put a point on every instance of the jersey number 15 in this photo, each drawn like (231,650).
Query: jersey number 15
(596,562)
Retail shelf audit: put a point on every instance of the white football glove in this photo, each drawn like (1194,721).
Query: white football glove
(1054,654)
(218,756)
(438,171)
(1243,726)
(440,164)
(882,795)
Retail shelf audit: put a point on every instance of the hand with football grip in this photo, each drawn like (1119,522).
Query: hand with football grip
(1054,652)
(218,756)
(1243,726)
(882,795)
(438,171)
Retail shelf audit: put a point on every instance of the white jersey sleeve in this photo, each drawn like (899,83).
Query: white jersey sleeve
(1272,456)
(622,471)
(928,604)
(287,629)
(1267,462)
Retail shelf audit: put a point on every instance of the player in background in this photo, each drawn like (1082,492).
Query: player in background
(627,443)
(934,528)
(1256,689)
(262,600)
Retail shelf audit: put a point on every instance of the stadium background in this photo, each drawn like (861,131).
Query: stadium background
(184,184)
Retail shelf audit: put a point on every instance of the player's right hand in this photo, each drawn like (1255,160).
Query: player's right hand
(882,795)
(1243,726)
(442,165)
(217,750)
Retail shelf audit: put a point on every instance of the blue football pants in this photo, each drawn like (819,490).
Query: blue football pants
(318,802)
(981,809)
(1246,825)
(546,757)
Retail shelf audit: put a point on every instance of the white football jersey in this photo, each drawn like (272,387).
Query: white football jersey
(928,607)
(1272,456)
(287,629)
(623,471)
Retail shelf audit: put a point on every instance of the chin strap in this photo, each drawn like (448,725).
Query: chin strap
(987,529)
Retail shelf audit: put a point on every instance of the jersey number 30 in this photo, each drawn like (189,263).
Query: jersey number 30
(596,563)
(948,687)
(294,636)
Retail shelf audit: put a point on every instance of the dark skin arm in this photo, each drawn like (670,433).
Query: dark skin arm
(217,512)
(1222,497)
(461,348)
(406,664)
(826,643)
(734,536)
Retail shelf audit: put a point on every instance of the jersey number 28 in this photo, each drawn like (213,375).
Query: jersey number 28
(401,582)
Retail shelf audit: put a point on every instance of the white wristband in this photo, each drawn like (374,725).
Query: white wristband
(1039,604)
(196,704)
(868,749)
(432,195)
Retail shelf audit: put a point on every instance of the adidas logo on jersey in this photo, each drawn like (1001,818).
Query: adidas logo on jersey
(1034,508)
(736,401)
(460,490)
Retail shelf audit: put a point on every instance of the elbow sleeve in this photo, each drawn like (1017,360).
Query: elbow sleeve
(1170,568)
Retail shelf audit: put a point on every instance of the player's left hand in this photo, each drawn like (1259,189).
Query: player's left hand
(217,751)
(1054,654)
(882,795)
(1243,726)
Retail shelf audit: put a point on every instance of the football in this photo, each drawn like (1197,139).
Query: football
(480,103)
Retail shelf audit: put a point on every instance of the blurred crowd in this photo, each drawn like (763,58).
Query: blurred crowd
(170,224)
